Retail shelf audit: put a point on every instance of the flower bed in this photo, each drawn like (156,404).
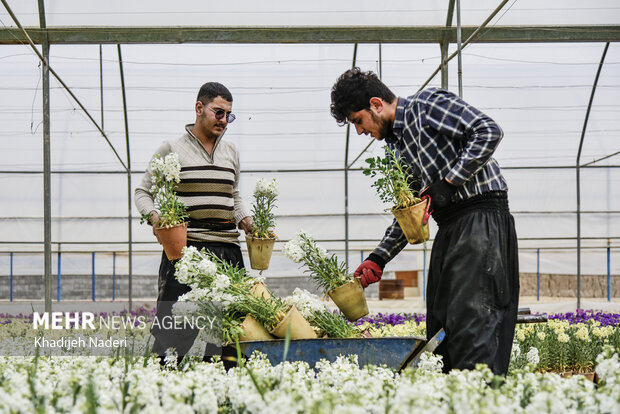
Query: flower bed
(126,384)
(55,384)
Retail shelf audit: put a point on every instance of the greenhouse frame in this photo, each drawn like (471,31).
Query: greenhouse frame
(115,82)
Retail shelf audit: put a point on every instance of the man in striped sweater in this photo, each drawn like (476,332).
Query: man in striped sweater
(209,189)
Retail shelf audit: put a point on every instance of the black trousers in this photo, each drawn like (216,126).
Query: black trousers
(169,290)
(473,283)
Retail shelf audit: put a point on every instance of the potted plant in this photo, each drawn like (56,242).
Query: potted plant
(261,239)
(393,185)
(172,225)
(276,316)
(332,277)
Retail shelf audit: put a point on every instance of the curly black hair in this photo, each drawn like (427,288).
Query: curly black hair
(353,90)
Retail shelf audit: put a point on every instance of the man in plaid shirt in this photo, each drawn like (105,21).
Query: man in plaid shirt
(473,282)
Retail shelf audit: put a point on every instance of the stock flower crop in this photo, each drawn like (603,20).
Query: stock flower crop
(167,173)
(265,194)
(79,384)
(323,268)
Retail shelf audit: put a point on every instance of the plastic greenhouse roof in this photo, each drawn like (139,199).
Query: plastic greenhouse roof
(322,12)
(538,93)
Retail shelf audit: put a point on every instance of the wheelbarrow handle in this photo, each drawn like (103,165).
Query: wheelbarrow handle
(413,359)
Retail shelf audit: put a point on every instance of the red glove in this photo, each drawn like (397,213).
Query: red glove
(368,272)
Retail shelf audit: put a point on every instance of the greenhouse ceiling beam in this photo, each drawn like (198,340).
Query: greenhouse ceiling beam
(306,170)
(310,34)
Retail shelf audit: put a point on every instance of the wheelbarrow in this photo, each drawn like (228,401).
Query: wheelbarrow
(397,352)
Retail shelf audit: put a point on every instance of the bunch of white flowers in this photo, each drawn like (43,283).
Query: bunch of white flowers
(169,167)
(532,356)
(166,173)
(323,267)
(293,250)
(265,194)
(430,362)
(267,189)
(305,302)
(195,269)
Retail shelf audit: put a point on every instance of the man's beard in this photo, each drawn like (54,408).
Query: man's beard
(386,129)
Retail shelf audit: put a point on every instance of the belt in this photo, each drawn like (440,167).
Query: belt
(492,200)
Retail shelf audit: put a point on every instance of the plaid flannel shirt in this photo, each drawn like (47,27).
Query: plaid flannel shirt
(441,136)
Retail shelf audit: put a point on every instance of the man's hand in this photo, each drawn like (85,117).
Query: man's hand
(246,224)
(368,272)
(440,194)
(154,221)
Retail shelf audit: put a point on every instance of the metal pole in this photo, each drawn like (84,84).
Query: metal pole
(114,277)
(538,275)
(101,82)
(346,180)
(129,187)
(578,172)
(458,47)
(466,42)
(444,46)
(608,273)
(424,276)
(11,277)
(93,275)
(47,199)
(445,62)
(380,63)
(58,281)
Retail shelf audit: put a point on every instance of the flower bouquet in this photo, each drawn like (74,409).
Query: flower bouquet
(394,186)
(325,322)
(215,281)
(332,277)
(262,238)
(172,227)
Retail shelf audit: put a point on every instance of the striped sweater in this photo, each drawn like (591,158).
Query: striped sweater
(208,188)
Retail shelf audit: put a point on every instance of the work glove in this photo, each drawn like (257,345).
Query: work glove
(439,194)
(369,272)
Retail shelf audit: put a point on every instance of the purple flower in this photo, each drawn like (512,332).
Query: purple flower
(583,316)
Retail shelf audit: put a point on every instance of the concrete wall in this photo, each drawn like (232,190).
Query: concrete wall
(566,285)
(77,287)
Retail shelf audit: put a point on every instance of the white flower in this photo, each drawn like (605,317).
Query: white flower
(221,282)
(185,308)
(322,252)
(171,360)
(266,189)
(172,167)
(516,351)
(430,362)
(293,251)
(305,302)
(207,267)
(532,356)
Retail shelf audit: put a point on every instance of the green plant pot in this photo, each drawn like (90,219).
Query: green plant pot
(259,250)
(350,299)
(299,326)
(253,330)
(410,221)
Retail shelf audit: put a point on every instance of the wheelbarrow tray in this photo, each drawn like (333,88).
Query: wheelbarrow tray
(389,351)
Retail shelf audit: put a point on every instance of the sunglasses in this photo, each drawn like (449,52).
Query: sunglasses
(220,113)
